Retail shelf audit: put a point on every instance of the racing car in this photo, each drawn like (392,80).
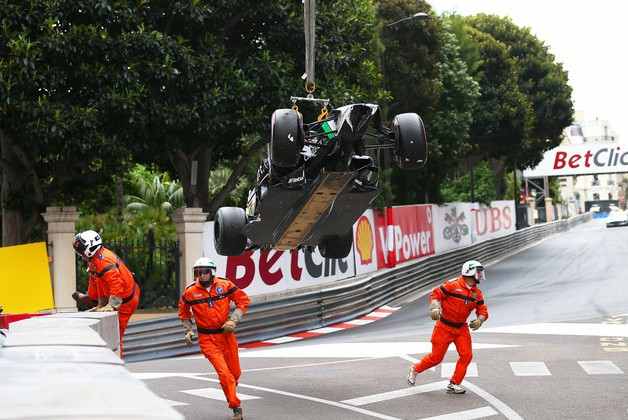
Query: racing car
(317,179)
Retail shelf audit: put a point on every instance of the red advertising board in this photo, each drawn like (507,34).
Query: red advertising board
(403,234)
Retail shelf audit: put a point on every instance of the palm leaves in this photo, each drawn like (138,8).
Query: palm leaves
(157,194)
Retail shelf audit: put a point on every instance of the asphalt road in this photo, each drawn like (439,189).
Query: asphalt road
(555,347)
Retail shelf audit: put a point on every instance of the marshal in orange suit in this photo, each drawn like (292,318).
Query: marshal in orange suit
(208,301)
(111,283)
(450,306)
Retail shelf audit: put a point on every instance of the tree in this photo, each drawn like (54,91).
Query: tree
(427,75)
(540,78)
(55,90)
(209,75)
(449,125)
(459,188)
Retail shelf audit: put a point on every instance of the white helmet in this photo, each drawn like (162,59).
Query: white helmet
(473,268)
(87,243)
(205,262)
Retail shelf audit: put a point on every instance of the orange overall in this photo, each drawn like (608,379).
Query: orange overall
(111,277)
(458,300)
(210,309)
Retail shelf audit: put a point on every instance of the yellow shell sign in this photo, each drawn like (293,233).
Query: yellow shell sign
(364,240)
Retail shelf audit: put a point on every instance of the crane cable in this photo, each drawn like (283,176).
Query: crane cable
(309,25)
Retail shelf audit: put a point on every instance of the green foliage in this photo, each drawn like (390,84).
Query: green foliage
(459,188)
(55,90)
(540,78)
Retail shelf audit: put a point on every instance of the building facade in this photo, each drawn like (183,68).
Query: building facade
(578,190)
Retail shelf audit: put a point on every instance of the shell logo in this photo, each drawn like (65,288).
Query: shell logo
(364,240)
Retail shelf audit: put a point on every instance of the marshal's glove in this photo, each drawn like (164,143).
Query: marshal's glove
(233,321)
(229,326)
(106,308)
(435,310)
(189,337)
(476,323)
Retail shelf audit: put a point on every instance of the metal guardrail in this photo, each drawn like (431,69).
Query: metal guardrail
(333,303)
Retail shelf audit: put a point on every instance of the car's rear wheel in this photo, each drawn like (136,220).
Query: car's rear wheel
(410,141)
(286,140)
(336,246)
(229,237)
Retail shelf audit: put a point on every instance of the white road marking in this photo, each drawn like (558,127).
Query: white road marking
(600,367)
(360,321)
(174,403)
(398,393)
(476,413)
(325,330)
(508,412)
(353,350)
(559,328)
(313,399)
(529,369)
(158,375)
(377,314)
(415,361)
(216,394)
(390,308)
(281,340)
(447,370)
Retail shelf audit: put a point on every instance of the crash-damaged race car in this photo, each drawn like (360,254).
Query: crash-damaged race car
(317,179)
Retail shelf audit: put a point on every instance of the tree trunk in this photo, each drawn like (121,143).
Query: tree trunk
(12,189)
(195,186)
(232,182)
(499,167)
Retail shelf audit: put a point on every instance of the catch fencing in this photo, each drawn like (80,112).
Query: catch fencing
(155,265)
(337,302)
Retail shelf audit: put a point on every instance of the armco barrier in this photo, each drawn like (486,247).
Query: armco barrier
(62,366)
(336,302)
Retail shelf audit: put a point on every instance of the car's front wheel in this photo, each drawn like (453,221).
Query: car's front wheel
(410,141)
(336,246)
(229,237)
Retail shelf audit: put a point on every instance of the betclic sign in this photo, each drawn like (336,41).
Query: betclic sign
(591,158)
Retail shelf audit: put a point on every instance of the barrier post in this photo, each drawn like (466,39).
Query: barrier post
(61,230)
(189,224)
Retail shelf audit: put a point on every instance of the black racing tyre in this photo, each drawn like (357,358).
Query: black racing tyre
(410,141)
(336,246)
(229,237)
(286,138)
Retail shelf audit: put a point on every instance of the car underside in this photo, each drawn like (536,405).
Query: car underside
(317,179)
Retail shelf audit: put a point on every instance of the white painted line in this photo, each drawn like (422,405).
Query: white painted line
(600,367)
(306,365)
(158,375)
(325,330)
(563,328)
(216,394)
(390,308)
(174,403)
(476,413)
(313,399)
(360,321)
(398,393)
(529,369)
(377,314)
(281,340)
(352,350)
(447,370)
(415,361)
(508,412)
